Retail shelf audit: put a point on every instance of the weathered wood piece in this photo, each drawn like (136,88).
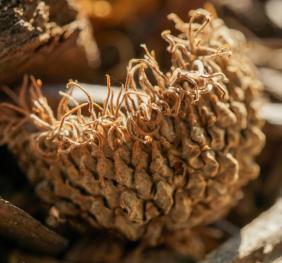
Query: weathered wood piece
(259,241)
(27,231)
(32,34)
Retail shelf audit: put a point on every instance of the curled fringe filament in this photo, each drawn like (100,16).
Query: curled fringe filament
(147,96)
(170,151)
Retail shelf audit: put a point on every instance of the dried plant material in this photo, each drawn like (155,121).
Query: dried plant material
(37,34)
(32,234)
(171,152)
(259,241)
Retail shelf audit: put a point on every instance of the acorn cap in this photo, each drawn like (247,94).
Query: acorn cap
(171,151)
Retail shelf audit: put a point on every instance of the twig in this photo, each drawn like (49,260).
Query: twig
(259,241)
(27,231)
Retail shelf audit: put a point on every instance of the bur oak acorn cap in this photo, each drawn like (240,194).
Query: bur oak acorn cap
(171,151)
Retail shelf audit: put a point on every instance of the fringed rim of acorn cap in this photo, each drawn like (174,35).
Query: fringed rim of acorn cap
(199,45)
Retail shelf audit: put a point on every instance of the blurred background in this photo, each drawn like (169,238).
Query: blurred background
(115,30)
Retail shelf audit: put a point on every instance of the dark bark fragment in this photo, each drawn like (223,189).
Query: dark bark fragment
(27,231)
(32,34)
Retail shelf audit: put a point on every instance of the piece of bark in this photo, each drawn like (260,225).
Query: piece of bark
(27,231)
(259,241)
(45,38)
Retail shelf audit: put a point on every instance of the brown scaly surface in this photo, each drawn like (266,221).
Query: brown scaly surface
(170,152)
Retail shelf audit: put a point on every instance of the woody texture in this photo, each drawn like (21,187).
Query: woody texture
(170,152)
